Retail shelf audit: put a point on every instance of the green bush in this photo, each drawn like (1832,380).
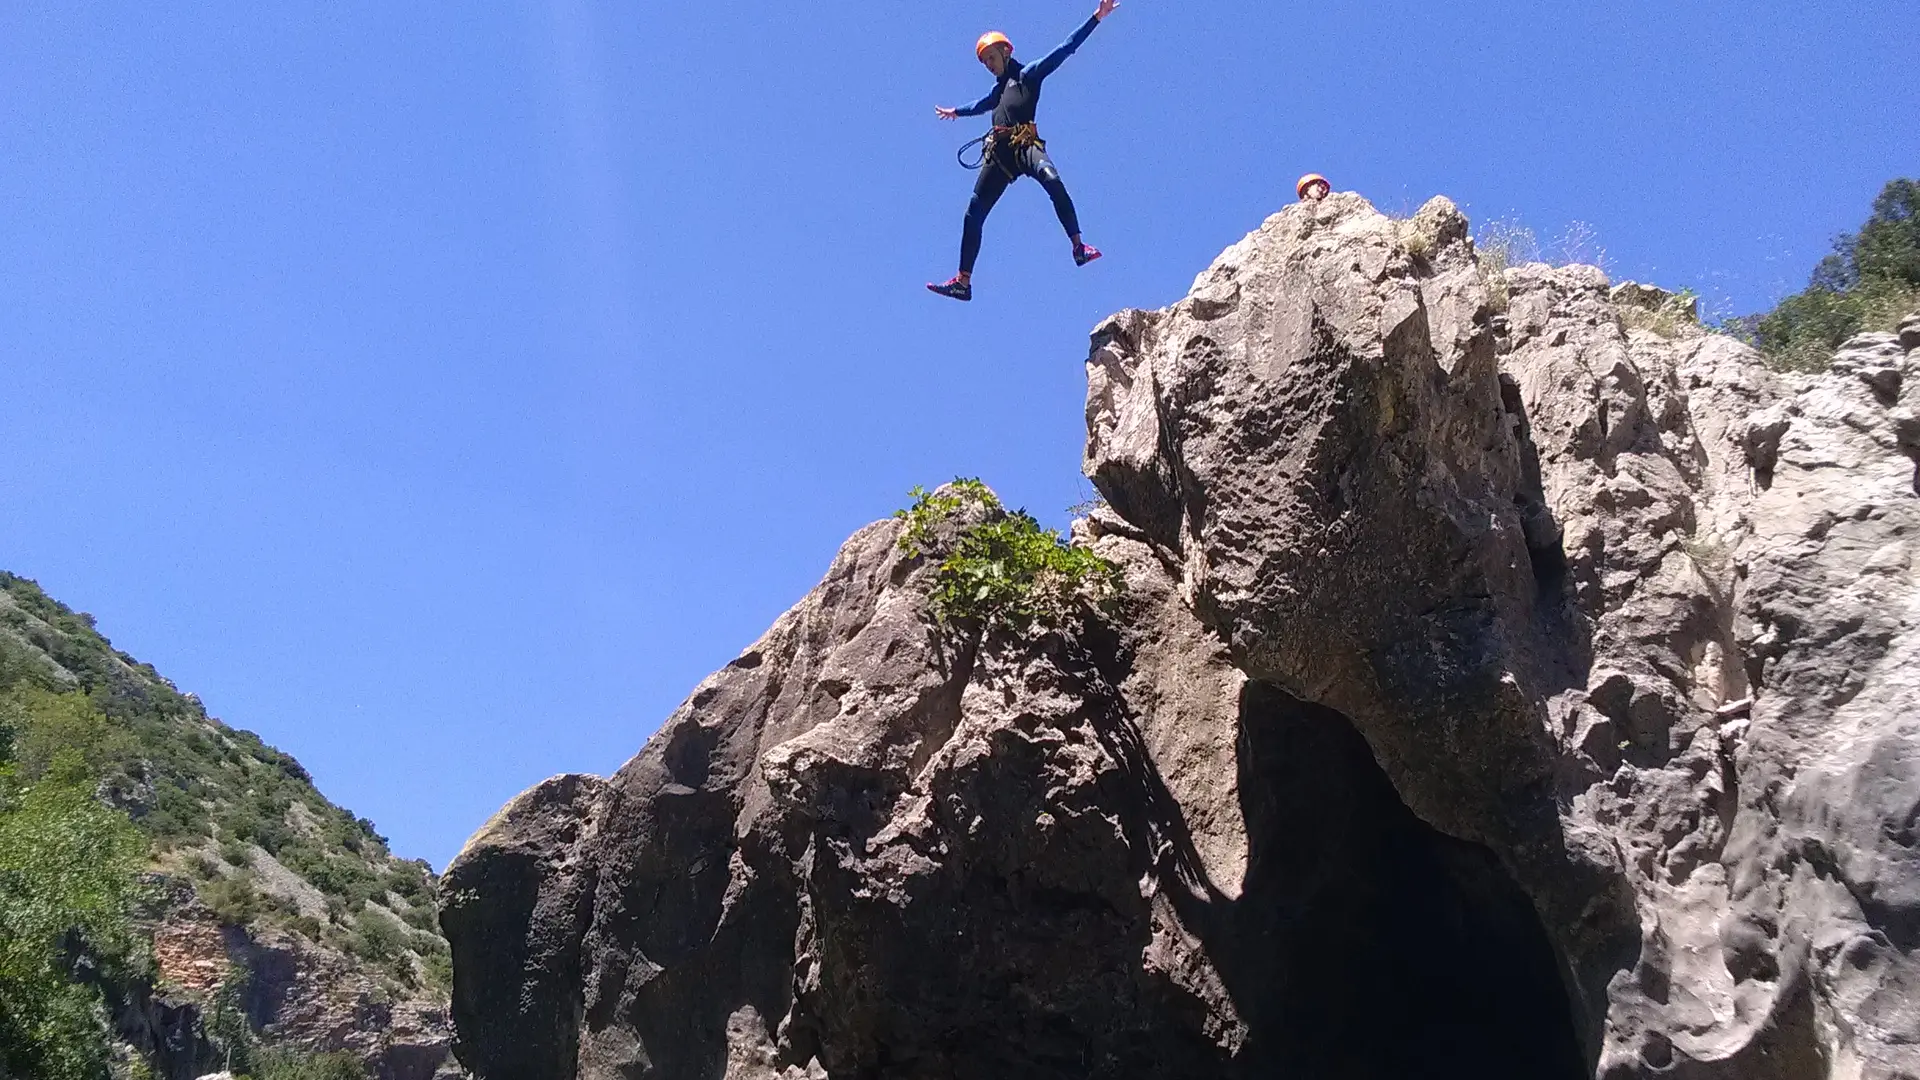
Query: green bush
(261,818)
(233,899)
(287,1065)
(439,969)
(1004,570)
(377,938)
(347,878)
(1869,282)
(932,511)
(307,926)
(177,817)
(47,724)
(411,879)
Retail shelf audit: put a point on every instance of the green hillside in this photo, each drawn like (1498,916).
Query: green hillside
(215,808)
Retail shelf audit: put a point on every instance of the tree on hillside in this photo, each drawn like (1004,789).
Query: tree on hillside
(1871,279)
(68,878)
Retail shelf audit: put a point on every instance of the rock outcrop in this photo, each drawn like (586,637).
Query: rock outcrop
(1512,679)
(295,997)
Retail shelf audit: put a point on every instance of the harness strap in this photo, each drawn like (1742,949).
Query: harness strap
(1015,137)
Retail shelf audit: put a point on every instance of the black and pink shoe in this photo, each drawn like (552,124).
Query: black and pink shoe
(1084,254)
(958,288)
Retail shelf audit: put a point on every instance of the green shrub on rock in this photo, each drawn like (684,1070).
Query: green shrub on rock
(286,1065)
(1004,569)
(377,938)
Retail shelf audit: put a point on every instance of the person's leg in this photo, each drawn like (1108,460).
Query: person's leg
(1041,168)
(987,190)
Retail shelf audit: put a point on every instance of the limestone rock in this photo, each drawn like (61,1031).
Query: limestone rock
(1652,298)
(295,994)
(870,848)
(317,1000)
(1572,563)
(517,962)
(1502,687)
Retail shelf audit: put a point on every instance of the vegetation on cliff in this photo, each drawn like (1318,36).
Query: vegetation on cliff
(69,870)
(214,799)
(1003,569)
(1869,281)
(111,771)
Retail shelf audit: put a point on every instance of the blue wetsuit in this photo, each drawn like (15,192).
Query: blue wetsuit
(1014,100)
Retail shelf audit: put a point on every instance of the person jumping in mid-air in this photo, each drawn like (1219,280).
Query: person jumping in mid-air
(1013,147)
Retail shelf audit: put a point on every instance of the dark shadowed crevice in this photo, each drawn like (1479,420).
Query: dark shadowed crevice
(1537,525)
(1366,944)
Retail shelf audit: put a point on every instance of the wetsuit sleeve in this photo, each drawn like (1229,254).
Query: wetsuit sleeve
(1044,66)
(985,104)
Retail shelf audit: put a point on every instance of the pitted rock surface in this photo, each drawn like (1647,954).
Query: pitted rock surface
(1639,611)
(1501,688)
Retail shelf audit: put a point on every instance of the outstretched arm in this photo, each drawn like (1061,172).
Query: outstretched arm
(1045,66)
(985,104)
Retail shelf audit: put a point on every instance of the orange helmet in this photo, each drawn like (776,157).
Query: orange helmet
(1300,189)
(988,40)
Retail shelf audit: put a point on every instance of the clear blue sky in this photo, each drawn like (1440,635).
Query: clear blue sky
(442,390)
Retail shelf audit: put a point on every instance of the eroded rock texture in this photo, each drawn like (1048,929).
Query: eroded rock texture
(1512,680)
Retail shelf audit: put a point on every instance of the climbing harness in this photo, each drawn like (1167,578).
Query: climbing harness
(1017,137)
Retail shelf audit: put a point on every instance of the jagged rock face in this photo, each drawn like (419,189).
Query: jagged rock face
(1497,691)
(1634,612)
(869,849)
(299,995)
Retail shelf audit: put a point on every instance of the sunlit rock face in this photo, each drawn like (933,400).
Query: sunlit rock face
(1512,679)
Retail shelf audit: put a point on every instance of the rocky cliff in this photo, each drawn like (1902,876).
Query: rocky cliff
(1511,679)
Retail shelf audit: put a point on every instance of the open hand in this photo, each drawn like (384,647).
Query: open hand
(945,113)
(1106,8)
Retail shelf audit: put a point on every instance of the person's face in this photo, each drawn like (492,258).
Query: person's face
(1317,190)
(996,58)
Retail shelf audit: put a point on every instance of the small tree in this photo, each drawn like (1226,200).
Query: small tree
(1868,282)
(378,938)
(68,881)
